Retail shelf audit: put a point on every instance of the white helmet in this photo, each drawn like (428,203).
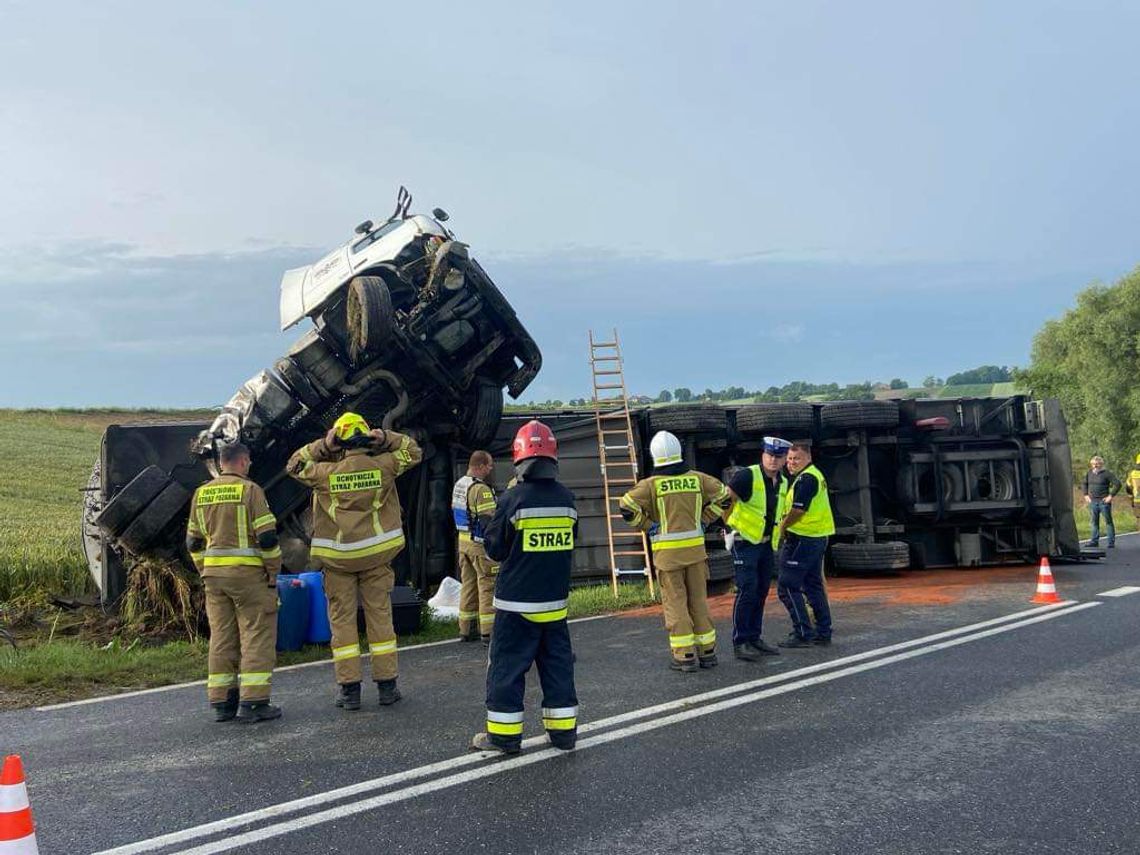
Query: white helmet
(665,448)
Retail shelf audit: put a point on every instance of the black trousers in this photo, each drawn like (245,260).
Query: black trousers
(516,643)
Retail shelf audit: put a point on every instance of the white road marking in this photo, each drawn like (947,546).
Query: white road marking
(352,808)
(173,686)
(317,799)
(1120,592)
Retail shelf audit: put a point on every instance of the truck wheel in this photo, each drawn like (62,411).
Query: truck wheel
(139,492)
(483,414)
(720,565)
(689,417)
(295,379)
(859,414)
(371,320)
(155,518)
(1002,487)
(892,555)
(756,418)
(953,485)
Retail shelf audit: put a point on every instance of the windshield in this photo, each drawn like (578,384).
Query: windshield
(372,237)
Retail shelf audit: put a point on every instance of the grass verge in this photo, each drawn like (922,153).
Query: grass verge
(71,669)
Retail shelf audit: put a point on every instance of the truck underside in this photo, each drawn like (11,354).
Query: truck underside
(914,484)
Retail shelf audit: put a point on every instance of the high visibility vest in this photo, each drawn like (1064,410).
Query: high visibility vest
(817,520)
(1134,483)
(748,518)
(466,523)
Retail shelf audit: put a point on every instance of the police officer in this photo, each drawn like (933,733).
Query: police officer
(357,532)
(471,499)
(804,529)
(232,538)
(673,505)
(532,534)
(759,492)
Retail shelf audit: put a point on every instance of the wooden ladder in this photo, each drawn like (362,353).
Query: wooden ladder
(618,458)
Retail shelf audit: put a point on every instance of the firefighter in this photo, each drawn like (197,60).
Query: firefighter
(673,505)
(471,500)
(804,529)
(232,538)
(532,535)
(357,533)
(754,539)
(1132,487)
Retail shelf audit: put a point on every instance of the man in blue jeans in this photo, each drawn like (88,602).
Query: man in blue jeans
(1099,486)
(804,530)
(758,492)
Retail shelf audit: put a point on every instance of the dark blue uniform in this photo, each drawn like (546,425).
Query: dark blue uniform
(532,534)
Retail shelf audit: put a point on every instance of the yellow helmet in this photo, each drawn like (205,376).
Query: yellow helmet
(350,425)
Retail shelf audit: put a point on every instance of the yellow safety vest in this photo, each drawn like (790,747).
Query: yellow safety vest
(1134,483)
(817,520)
(748,518)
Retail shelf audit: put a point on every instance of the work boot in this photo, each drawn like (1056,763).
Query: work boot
(563,742)
(707,661)
(388,692)
(745,652)
(349,697)
(687,665)
(794,640)
(822,641)
(482,742)
(472,634)
(227,709)
(251,712)
(764,648)
(486,639)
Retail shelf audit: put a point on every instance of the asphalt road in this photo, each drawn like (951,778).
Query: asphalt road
(967,722)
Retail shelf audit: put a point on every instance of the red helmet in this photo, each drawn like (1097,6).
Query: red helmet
(535,439)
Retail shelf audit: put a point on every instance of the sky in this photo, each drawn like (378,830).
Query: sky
(750,192)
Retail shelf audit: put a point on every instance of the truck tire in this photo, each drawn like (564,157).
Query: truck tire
(129,502)
(295,378)
(1001,488)
(720,565)
(155,518)
(953,485)
(371,319)
(689,417)
(859,414)
(892,555)
(757,418)
(484,413)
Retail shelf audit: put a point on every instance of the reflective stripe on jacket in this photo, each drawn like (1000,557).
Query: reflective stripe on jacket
(471,500)
(679,505)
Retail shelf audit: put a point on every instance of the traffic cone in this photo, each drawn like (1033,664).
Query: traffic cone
(17,834)
(1046,590)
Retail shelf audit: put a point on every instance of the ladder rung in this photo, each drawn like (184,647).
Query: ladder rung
(603,344)
(622,481)
(622,432)
(629,552)
(621,463)
(603,373)
(611,386)
(625,571)
(627,534)
(609,414)
(616,447)
(605,359)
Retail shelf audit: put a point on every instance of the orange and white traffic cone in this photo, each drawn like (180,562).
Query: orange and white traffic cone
(1046,590)
(17,834)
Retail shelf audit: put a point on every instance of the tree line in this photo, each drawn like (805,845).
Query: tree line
(1089,358)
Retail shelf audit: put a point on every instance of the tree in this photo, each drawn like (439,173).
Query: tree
(664,397)
(930,381)
(1090,360)
(981,374)
(899,383)
(683,395)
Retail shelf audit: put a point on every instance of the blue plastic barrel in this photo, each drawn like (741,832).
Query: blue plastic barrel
(292,613)
(319,630)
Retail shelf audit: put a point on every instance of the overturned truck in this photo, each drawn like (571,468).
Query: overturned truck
(410,331)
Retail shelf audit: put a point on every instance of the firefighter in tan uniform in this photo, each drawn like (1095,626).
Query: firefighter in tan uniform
(672,506)
(232,538)
(471,501)
(1132,487)
(357,532)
